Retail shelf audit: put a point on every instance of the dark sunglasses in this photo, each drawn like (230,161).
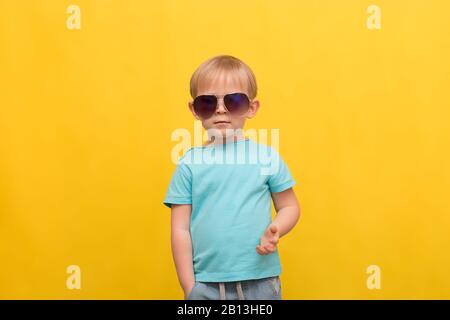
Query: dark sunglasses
(236,103)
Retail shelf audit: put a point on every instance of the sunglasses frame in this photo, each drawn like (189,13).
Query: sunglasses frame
(218,97)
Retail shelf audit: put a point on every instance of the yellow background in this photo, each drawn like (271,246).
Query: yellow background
(86,117)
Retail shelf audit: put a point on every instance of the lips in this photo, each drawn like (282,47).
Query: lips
(217,122)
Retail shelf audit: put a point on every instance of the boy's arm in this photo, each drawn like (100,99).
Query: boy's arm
(182,245)
(288,213)
(288,210)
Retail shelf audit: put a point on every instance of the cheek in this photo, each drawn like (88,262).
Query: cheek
(207,123)
(237,121)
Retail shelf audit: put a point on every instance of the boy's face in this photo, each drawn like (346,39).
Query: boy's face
(220,86)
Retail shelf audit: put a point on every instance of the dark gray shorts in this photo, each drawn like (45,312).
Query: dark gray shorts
(259,289)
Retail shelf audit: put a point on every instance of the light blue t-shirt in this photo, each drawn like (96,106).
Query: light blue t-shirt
(229,187)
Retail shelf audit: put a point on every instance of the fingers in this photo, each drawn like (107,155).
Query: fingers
(267,249)
(261,250)
(270,240)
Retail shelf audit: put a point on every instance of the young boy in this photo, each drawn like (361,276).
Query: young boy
(224,242)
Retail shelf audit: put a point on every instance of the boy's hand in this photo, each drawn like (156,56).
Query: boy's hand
(269,240)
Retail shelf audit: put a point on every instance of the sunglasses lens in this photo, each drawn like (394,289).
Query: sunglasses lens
(205,106)
(236,103)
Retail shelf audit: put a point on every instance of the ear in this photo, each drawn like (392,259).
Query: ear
(253,108)
(191,107)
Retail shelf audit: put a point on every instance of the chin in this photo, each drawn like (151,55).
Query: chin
(222,132)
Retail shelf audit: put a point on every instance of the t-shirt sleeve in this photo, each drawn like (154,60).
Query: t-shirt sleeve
(180,187)
(280,178)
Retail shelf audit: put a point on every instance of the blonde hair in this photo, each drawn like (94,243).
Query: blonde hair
(209,69)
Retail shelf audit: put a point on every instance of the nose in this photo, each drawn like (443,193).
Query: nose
(220,107)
